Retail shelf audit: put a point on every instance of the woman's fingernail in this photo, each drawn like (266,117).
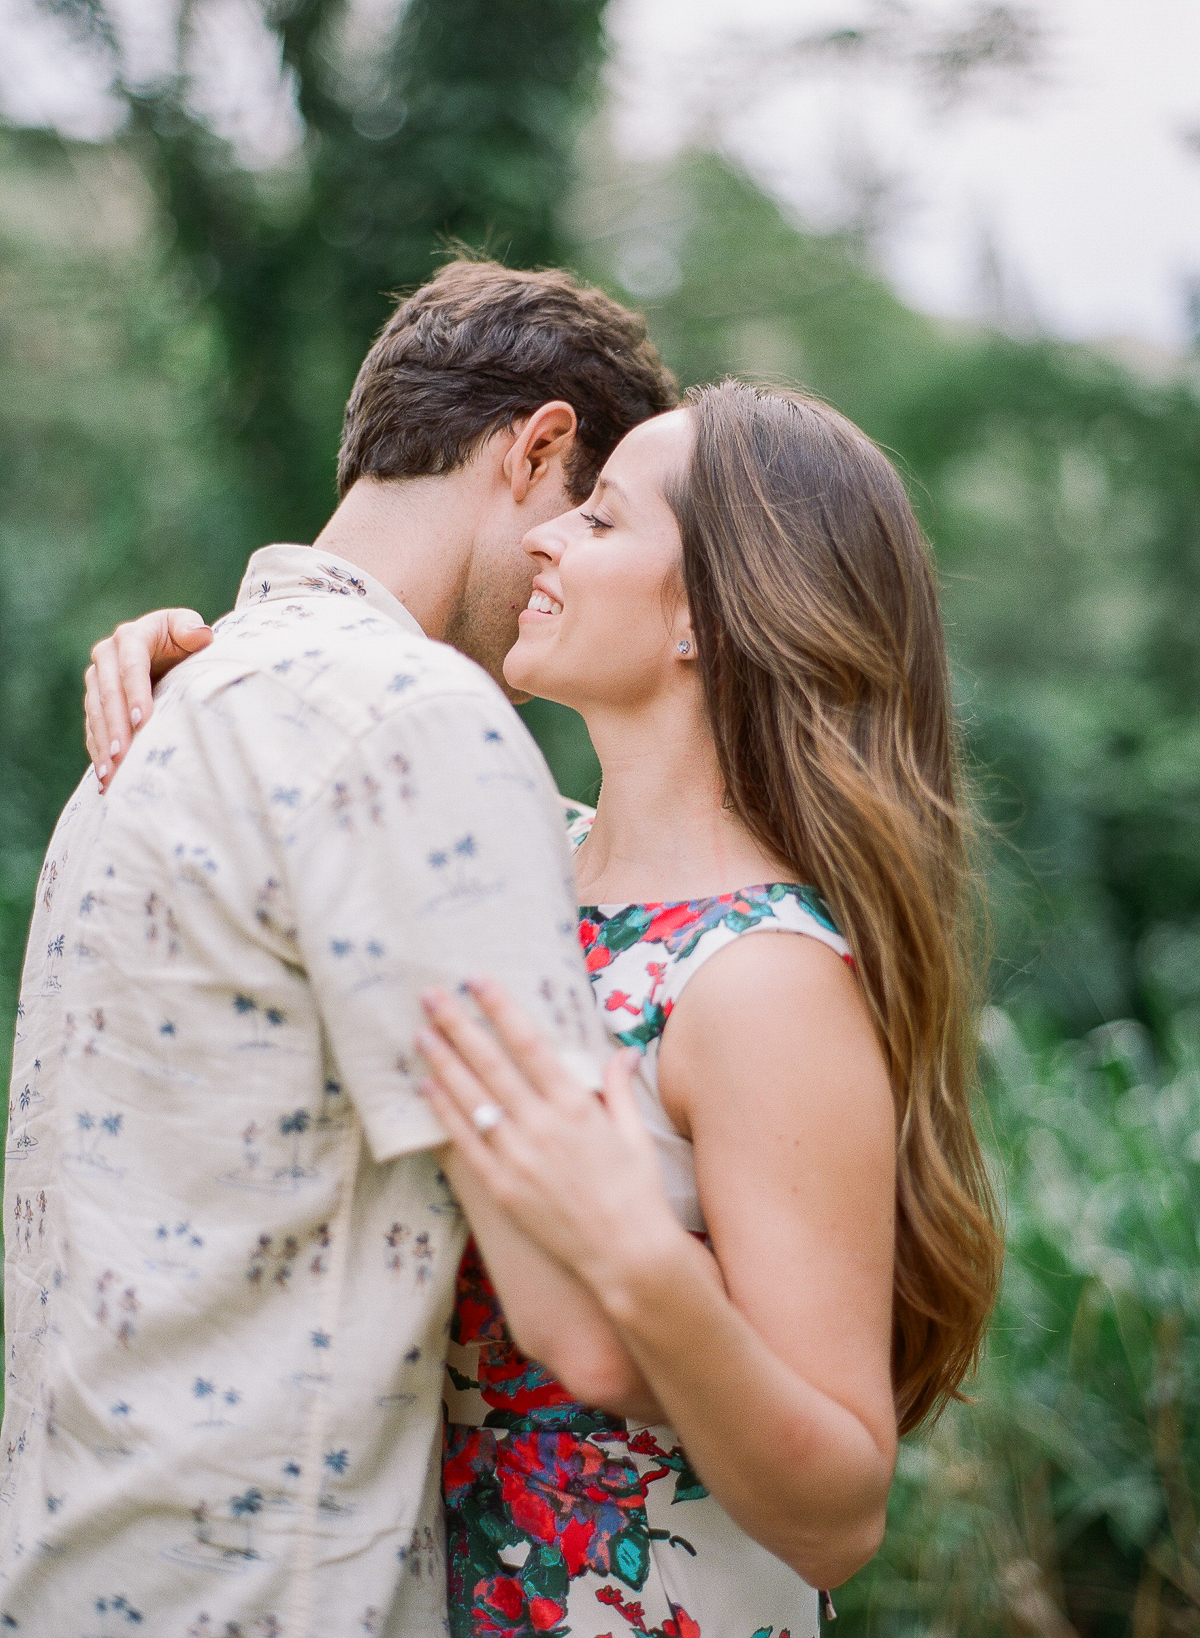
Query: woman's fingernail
(114,750)
(102,771)
(135,716)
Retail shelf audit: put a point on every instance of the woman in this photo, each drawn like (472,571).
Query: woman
(782,1213)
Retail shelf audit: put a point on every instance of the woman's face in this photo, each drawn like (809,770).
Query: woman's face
(607,611)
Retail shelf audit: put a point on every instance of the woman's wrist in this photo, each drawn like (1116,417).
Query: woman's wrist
(633,1273)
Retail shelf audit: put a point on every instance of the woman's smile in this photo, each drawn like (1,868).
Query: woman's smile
(541,602)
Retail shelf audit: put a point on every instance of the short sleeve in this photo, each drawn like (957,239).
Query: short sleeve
(435,853)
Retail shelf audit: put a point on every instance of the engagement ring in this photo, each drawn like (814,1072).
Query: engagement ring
(487,1116)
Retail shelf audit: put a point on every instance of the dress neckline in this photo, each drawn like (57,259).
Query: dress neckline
(609,908)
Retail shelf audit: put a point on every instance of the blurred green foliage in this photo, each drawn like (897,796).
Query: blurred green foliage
(1064,1499)
(177,339)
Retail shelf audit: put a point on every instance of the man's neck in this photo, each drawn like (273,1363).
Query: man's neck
(414,536)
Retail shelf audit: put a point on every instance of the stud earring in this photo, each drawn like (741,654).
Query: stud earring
(684,646)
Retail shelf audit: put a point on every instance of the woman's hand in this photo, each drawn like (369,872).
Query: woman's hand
(577,1170)
(118,695)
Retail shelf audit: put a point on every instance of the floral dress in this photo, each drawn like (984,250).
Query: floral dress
(562,1520)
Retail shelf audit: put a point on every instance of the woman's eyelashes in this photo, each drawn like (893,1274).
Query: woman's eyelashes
(593,522)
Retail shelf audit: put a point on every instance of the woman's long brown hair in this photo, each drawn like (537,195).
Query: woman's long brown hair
(815,610)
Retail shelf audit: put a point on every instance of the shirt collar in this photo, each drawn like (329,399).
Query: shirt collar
(276,572)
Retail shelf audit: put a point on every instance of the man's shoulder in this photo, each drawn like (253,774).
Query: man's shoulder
(351,664)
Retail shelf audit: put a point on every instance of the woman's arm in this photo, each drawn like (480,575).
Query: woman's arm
(782,1395)
(118,685)
(780,1390)
(550,1313)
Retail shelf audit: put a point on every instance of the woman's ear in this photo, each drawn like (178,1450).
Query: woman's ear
(542,443)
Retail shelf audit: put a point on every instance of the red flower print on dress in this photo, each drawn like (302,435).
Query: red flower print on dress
(477,1316)
(564,1491)
(510,1382)
(545,1613)
(669,920)
(680,1625)
(503,1610)
(618,1000)
(507,1380)
(462,1468)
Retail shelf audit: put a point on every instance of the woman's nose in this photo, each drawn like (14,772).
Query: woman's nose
(545,543)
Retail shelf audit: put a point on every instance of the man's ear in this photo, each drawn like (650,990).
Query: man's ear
(542,443)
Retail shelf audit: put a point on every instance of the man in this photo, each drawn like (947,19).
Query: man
(231,1254)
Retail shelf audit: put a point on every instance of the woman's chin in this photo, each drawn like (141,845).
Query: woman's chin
(523,675)
(520,673)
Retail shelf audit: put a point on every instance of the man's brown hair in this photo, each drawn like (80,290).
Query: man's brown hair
(482,346)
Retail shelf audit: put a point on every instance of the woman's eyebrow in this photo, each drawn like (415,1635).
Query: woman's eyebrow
(609,483)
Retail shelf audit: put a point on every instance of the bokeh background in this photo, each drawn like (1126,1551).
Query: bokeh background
(976,229)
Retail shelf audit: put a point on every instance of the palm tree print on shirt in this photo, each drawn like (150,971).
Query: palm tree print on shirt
(336,1463)
(294,1126)
(27,1099)
(222,1538)
(96,1137)
(262,1019)
(247,1506)
(116,1604)
(285,1137)
(175,1251)
(361,960)
(454,868)
(217,1402)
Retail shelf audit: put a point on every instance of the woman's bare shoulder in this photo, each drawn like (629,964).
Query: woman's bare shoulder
(769,1013)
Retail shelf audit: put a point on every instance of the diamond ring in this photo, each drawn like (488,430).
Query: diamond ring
(485,1117)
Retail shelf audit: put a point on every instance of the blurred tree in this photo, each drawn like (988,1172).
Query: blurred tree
(1065,504)
(461,128)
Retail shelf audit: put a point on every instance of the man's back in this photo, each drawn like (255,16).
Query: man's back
(230,1251)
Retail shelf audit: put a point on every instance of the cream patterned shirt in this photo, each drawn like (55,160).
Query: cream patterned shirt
(230,1254)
